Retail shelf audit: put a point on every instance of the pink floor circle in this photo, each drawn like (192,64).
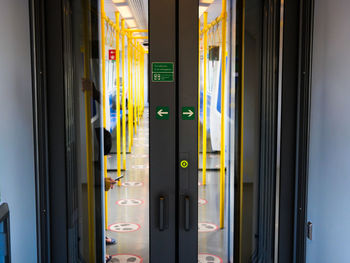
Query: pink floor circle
(129,202)
(202,202)
(124,227)
(126,258)
(132,184)
(207,227)
(206,258)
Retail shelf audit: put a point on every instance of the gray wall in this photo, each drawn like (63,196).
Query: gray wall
(16,133)
(329,172)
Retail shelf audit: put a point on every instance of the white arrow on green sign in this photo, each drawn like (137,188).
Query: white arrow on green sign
(162,113)
(188,113)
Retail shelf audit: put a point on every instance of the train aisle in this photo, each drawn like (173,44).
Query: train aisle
(128,204)
(212,241)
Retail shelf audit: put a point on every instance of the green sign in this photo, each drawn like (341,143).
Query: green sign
(163,67)
(162,113)
(162,72)
(188,113)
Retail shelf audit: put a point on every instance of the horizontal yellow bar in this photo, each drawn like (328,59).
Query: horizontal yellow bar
(213,23)
(136,30)
(140,37)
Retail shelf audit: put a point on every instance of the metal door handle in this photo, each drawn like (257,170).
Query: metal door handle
(161,213)
(187,213)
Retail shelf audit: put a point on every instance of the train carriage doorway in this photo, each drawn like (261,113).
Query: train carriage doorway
(145,105)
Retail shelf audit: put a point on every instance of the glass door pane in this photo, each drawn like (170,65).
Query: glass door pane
(215,132)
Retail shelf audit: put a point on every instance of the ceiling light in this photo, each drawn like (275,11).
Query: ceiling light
(206,1)
(118,1)
(124,11)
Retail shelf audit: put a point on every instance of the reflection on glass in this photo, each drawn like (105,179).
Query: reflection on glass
(106,133)
(214,201)
(126,120)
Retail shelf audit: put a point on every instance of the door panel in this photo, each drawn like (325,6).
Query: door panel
(187,159)
(162,190)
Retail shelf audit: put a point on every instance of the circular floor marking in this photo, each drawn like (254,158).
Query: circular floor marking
(208,258)
(126,258)
(207,227)
(129,202)
(202,202)
(124,227)
(139,166)
(132,184)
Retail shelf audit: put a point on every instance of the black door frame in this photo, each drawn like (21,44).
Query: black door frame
(48,100)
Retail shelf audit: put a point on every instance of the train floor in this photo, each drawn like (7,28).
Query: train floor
(128,205)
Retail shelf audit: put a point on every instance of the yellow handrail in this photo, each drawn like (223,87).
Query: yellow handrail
(213,23)
(88,139)
(199,89)
(103,43)
(137,30)
(222,146)
(130,117)
(123,96)
(117,97)
(134,85)
(205,44)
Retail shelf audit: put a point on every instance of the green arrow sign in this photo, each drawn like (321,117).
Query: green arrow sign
(188,113)
(162,113)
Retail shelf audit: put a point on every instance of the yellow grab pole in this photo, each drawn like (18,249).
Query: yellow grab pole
(134,84)
(205,43)
(123,96)
(130,120)
(138,83)
(103,43)
(199,87)
(141,81)
(89,168)
(117,95)
(222,143)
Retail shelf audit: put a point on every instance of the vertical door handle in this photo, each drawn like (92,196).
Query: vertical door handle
(187,213)
(161,213)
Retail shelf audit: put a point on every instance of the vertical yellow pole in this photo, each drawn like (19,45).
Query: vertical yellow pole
(143,81)
(142,55)
(199,88)
(89,168)
(103,43)
(134,83)
(205,43)
(117,60)
(123,95)
(139,78)
(222,144)
(138,81)
(130,117)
